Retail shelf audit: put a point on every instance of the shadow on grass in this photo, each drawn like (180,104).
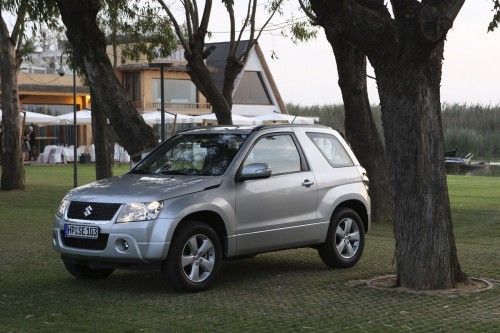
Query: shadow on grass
(242,273)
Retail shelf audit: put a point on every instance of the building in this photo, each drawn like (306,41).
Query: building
(43,90)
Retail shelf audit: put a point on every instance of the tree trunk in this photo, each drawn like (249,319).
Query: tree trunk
(89,50)
(409,87)
(360,127)
(100,134)
(200,75)
(12,165)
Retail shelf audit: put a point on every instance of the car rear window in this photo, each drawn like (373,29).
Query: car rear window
(332,149)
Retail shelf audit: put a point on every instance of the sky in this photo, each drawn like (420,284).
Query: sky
(306,73)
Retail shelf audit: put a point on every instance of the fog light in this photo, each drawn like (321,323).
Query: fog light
(54,238)
(125,245)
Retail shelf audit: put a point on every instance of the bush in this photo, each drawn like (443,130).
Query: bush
(470,128)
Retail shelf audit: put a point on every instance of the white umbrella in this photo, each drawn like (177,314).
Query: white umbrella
(237,119)
(35,118)
(83,117)
(154,118)
(280,117)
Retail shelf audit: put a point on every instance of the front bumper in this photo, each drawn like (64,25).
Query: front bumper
(146,242)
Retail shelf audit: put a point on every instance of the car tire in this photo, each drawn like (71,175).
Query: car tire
(85,272)
(194,257)
(343,249)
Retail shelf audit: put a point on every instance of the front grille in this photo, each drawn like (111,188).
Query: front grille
(82,243)
(92,211)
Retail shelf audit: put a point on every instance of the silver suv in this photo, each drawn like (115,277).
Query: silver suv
(218,193)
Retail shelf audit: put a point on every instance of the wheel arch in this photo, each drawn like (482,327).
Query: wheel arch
(359,207)
(213,219)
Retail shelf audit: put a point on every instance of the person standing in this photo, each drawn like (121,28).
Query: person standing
(32,143)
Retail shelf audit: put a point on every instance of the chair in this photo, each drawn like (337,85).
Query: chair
(44,157)
(55,155)
(69,154)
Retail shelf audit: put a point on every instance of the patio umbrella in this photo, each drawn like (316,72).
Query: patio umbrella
(38,119)
(237,120)
(154,118)
(280,117)
(83,117)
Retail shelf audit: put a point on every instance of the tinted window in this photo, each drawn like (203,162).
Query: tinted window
(331,149)
(278,151)
(192,154)
(251,90)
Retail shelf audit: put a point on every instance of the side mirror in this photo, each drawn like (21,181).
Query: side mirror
(255,171)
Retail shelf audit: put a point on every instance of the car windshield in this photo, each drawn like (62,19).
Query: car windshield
(193,154)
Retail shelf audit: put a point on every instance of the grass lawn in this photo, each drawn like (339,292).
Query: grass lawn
(288,290)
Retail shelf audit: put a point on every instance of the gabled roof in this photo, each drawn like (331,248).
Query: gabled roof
(217,59)
(217,62)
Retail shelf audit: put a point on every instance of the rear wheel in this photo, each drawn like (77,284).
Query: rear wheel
(345,240)
(194,257)
(87,273)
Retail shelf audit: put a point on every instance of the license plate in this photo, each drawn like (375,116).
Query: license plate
(81,231)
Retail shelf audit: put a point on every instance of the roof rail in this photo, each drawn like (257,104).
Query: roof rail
(261,127)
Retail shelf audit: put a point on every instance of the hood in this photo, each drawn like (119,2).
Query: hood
(142,188)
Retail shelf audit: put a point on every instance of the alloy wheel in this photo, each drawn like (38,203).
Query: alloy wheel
(198,258)
(347,238)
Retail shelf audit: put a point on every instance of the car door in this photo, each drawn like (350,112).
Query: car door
(279,211)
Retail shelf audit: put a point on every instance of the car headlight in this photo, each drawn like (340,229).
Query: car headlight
(136,212)
(63,207)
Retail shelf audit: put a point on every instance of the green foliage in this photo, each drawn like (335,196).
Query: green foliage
(139,27)
(33,18)
(496,16)
(471,128)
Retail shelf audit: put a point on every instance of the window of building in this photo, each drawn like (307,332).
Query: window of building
(132,85)
(278,151)
(176,91)
(331,149)
(252,90)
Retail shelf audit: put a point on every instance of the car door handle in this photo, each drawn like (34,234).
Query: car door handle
(307,183)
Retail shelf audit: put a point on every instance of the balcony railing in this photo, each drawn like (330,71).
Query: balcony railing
(183,108)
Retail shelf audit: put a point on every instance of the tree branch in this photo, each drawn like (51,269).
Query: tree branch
(253,40)
(19,25)
(177,28)
(245,23)
(308,12)
(4,31)
(202,31)
(232,28)
(402,7)
(371,29)
(436,17)
(188,13)
(196,19)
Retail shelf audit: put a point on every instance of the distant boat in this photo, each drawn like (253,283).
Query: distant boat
(460,164)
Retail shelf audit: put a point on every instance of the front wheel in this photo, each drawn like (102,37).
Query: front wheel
(345,240)
(194,257)
(87,273)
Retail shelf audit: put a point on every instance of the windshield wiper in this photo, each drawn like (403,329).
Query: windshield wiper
(140,172)
(175,172)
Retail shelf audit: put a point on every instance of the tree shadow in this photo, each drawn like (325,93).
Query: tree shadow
(241,273)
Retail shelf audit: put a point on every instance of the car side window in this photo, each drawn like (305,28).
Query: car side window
(332,149)
(278,151)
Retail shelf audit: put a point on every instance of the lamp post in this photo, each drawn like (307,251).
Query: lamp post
(161,66)
(61,72)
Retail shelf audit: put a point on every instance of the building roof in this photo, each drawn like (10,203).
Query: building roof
(217,62)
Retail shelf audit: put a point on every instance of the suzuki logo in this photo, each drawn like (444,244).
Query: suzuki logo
(87,211)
